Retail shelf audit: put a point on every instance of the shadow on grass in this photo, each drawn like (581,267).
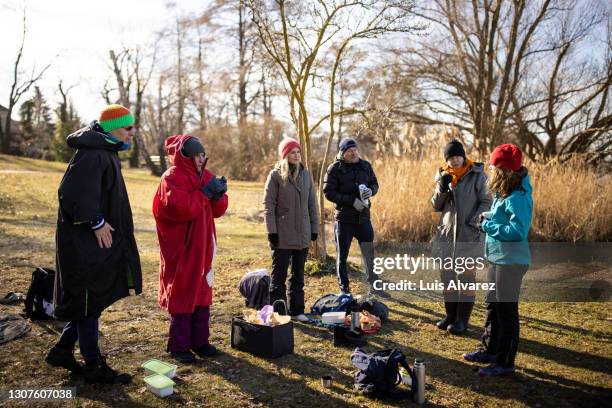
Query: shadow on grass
(531,389)
(555,327)
(112,395)
(550,352)
(283,391)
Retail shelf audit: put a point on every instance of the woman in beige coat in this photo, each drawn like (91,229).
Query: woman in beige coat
(292,221)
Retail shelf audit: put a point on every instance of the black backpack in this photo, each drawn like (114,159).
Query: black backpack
(39,300)
(376,308)
(332,303)
(378,374)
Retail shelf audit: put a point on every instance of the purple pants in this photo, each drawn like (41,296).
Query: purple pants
(189,330)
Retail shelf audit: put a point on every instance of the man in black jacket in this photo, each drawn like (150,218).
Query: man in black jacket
(349,183)
(96,255)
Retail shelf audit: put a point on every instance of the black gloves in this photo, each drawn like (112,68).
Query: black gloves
(479,221)
(445,180)
(314,236)
(482,217)
(273,240)
(215,188)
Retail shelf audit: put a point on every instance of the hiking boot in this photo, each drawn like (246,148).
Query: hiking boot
(63,357)
(464,311)
(495,370)
(99,372)
(185,357)
(479,356)
(451,314)
(206,351)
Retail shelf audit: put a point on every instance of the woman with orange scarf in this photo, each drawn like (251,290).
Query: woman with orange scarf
(461,195)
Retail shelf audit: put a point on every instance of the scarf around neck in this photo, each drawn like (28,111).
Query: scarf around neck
(459,172)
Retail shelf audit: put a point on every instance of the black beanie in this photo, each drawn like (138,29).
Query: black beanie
(346,144)
(191,147)
(454,148)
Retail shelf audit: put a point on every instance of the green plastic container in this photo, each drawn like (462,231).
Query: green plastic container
(159,385)
(154,366)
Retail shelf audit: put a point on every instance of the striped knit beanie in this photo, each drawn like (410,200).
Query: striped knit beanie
(114,117)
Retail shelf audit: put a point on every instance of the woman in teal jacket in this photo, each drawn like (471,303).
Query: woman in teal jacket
(507,250)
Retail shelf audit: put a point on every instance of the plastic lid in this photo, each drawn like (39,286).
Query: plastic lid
(158,366)
(159,381)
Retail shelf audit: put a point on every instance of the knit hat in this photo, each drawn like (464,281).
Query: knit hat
(346,144)
(507,156)
(454,148)
(286,145)
(191,147)
(114,117)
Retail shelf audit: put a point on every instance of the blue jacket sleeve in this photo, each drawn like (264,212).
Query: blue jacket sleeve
(518,208)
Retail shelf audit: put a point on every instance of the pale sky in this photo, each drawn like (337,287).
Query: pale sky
(81,32)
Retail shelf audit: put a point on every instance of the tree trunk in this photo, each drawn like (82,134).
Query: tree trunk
(6,140)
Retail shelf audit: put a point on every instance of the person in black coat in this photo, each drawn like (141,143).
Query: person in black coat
(349,183)
(96,254)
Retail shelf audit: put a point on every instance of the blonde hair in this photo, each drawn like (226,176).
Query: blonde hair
(504,181)
(287,172)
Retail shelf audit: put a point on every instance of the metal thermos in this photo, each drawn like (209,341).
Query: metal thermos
(366,201)
(419,372)
(355,320)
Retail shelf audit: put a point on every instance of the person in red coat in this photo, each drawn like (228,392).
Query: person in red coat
(187,201)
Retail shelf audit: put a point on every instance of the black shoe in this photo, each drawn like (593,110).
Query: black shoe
(206,351)
(464,311)
(63,357)
(99,372)
(451,313)
(343,336)
(185,357)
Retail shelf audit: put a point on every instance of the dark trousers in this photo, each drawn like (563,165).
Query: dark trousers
(501,334)
(189,330)
(344,233)
(468,276)
(84,330)
(280,266)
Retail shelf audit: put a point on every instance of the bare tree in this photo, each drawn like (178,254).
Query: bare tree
(484,66)
(132,70)
(18,88)
(296,36)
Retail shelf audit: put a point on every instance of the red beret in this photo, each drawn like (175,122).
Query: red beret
(507,156)
(286,145)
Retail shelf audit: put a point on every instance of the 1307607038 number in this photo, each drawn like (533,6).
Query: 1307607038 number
(38,394)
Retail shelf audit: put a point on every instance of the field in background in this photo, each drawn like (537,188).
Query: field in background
(571,201)
(564,357)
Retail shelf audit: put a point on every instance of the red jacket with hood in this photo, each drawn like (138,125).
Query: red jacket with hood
(186,231)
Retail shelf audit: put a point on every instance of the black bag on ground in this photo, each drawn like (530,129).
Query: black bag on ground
(255,287)
(261,340)
(332,303)
(378,374)
(345,337)
(376,308)
(39,299)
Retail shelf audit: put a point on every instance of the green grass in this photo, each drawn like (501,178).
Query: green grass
(564,357)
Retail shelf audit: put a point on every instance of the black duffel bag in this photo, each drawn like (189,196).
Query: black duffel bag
(261,340)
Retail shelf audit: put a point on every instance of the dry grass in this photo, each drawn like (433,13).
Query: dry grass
(564,358)
(571,201)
